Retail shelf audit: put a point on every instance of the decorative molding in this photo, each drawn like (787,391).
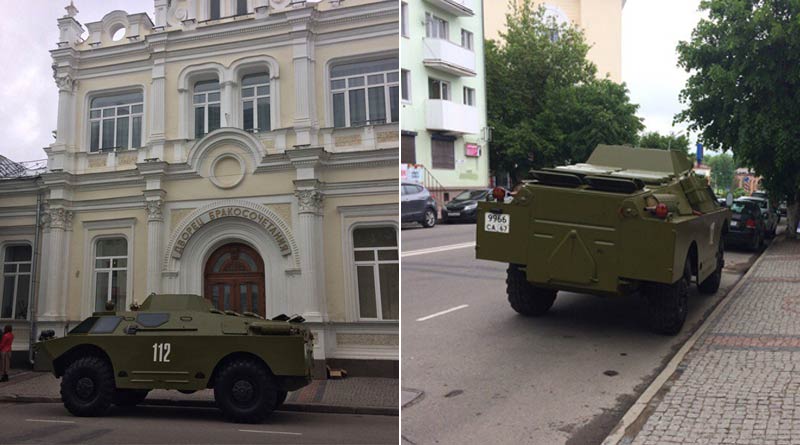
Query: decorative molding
(59,218)
(155,209)
(309,201)
(66,83)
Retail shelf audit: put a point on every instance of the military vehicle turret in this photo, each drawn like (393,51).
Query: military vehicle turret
(179,342)
(628,220)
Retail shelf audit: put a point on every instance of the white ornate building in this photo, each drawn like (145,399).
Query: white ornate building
(245,150)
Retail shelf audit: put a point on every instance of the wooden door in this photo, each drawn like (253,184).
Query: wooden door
(234,279)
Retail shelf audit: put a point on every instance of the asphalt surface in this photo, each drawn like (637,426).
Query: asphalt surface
(50,423)
(474,371)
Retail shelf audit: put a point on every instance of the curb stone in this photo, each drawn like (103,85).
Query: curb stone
(618,433)
(296,407)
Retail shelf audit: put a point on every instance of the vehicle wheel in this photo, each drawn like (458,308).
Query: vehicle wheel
(668,304)
(429,220)
(281,397)
(755,244)
(245,392)
(87,387)
(129,397)
(525,298)
(711,284)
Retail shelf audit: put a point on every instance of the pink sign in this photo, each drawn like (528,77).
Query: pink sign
(472,150)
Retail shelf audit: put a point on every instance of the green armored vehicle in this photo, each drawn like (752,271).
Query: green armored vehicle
(628,220)
(179,342)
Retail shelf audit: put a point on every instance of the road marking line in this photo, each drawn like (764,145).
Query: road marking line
(287,433)
(452,309)
(438,249)
(50,421)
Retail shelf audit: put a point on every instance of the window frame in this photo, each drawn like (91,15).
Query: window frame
(16,274)
(236,5)
(405,86)
(469,96)
(375,263)
(130,117)
(95,242)
(469,44)
(254,98)
(205,105)
(404,24)
(440,25)
(444,86)
(387,85)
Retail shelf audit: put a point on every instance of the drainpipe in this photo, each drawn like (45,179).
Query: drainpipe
(34,306)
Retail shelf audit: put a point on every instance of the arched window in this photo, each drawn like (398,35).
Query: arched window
(110,273)
(255,103)
(16,281)
(115,121)
(206,100)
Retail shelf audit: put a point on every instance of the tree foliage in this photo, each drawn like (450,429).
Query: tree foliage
(653,139)
(723,170)
(744,87)
(544,102)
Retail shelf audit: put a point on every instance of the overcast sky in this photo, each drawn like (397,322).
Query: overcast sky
(29,98)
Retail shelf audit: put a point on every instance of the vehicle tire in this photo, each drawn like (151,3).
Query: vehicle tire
(755,244)
(711,284)
(129,397)
(281,397)
(429,218)
(245,392)
(87,387)
(526,298)
(668,304)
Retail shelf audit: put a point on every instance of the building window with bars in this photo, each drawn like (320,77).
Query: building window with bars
(17,262)
(115,121)
(377,266)
(255,103)
(206,102)
(110,273)
(365,93)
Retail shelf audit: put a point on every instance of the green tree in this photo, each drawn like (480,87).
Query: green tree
(723,169)
(544,102)
(653,139)
(744,87)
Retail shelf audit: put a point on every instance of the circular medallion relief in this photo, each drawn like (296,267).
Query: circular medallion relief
(227,171)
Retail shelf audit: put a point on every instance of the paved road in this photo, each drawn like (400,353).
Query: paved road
(50,423)
(488,375)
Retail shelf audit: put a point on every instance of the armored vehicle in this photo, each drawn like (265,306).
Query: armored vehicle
(179,342)
(628,220)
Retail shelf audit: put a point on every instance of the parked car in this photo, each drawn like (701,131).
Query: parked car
(747,226)
(771,215)
(464,207)
(417,205)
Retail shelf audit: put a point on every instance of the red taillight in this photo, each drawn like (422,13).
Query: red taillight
(662,210)
(499,194)
(750,224)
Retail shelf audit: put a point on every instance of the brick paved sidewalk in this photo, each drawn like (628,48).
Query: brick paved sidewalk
(353,395)
(740,384)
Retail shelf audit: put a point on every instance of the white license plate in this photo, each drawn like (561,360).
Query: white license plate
(499,223)
(454,214)
(734,223)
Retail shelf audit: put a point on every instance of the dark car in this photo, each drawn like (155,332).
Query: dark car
(747,225)
(464,207)
(417,205)
(771,215)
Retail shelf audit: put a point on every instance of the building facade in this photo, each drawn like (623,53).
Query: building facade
(601,21)
(245,150)
(443,92)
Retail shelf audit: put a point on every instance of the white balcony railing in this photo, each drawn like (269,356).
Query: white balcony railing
(451,117)
(446,56)
(460,8)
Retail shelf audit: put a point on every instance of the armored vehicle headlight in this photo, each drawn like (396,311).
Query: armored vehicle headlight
(661,210)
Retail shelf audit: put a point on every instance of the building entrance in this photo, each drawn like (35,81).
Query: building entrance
(234,279)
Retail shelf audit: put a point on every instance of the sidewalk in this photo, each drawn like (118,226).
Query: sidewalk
(740,382)
(351,395)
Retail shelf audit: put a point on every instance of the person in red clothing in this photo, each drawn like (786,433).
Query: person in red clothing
(5,352)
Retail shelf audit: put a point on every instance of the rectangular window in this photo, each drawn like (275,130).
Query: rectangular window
(467,39)
(405,84)
(408,149)
(206,101)
(404,19)
(111,273)
(115,121)
(436,27)
(365,93)
(469,96)
(17,262)
(438,89)
(214,9)
(443,152)
(241,7)
(377,266)
(255,102)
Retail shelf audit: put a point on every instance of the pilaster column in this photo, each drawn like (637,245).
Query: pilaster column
(309,233)
(157,135)
(154,204)
(228,118)
(305,116)
(66,104)
(161,7)
(58,225)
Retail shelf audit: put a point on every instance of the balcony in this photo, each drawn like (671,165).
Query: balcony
(460,8)
(451,117)
(446,56)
